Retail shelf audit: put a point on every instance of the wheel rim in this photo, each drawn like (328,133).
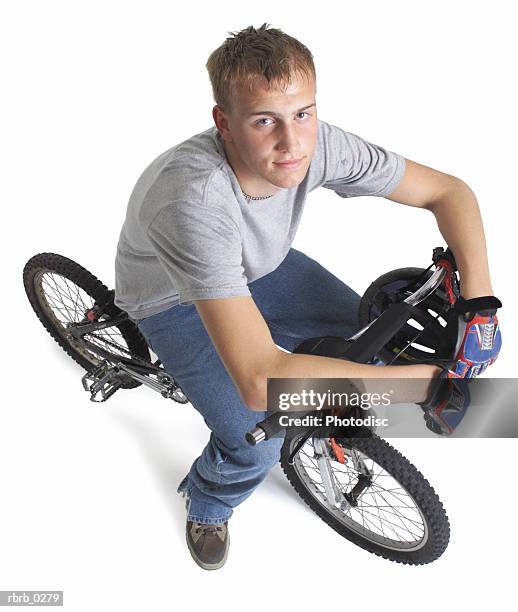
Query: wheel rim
(386,513)
(66,303)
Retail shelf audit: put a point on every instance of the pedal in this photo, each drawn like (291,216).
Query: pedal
(102,382)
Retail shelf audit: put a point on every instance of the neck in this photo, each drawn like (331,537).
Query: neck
(250,184)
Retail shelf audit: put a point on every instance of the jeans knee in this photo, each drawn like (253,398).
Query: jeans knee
(265,454)
(252,462)
(270,451)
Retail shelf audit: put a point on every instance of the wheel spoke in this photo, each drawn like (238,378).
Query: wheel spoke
(68,304)
(386,514)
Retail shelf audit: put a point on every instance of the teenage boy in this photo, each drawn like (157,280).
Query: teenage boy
(205,264)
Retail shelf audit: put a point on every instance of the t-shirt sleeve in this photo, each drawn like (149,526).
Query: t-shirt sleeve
(200,249)
(355,167)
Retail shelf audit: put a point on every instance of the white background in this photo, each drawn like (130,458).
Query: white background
(92,93)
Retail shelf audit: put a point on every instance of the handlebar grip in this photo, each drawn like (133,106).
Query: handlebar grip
(264,430)
(255,436)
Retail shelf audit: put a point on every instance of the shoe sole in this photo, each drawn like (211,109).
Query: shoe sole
(208,566)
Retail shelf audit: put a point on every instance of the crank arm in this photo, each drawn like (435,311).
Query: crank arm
(166,389)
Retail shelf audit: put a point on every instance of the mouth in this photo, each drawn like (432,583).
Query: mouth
(291,164)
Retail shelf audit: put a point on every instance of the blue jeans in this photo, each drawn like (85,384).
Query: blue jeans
(300,299)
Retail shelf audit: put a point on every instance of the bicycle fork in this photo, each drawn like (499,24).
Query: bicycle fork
(334,494)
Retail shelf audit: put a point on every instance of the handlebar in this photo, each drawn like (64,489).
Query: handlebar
(367,342)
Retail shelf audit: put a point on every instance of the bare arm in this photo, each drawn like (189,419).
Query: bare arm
(245,345)
(456,211)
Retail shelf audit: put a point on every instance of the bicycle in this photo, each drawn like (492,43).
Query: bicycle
(362,487)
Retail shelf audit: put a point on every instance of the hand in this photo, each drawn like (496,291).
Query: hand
(447,403)
(478,336)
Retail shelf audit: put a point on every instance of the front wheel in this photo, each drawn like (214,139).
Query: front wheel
(388,507)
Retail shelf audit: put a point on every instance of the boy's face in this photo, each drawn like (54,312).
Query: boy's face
(270,134)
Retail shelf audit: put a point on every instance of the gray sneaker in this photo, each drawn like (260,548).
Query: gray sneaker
(208,544)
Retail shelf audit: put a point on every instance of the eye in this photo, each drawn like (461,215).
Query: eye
(263,120)
(302,115)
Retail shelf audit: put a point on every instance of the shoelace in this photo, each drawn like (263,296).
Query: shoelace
(210,529)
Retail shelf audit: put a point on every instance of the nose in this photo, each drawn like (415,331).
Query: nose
(288,139)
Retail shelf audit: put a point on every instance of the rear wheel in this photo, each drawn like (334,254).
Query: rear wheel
(397,515)
(61,293)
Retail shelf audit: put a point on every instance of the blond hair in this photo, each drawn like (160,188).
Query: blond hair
(251,53)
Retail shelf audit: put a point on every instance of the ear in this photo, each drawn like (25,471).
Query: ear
(221,121)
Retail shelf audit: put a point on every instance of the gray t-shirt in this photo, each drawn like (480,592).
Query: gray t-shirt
(190,234)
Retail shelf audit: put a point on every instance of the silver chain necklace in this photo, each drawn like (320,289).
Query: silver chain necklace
(248,198)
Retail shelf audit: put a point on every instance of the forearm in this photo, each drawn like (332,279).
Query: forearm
(458,217)
(298,365)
